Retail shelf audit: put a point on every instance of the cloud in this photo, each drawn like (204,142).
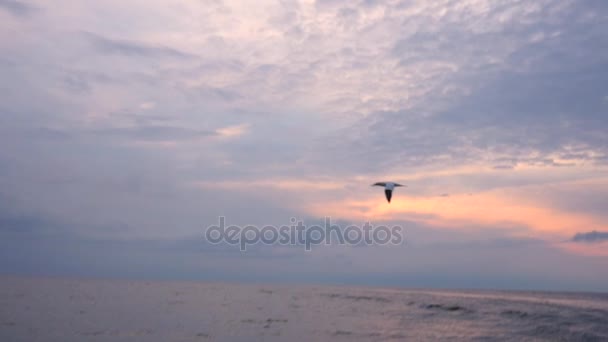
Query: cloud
(590,237)
(525,264)
(22,224)
(132,48)
(147,105)
(486,94)
(17,8)
(214,94)
(287,109)
(19,222)
(157,133)
(233,131)
(276,184)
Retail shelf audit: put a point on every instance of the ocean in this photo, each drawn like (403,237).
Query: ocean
(65,309)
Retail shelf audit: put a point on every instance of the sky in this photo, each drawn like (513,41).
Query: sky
(127,128)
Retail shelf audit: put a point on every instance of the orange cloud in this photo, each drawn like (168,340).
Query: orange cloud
(502,208)
(526,209)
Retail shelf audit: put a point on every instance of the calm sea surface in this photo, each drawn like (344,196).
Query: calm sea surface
(40,309)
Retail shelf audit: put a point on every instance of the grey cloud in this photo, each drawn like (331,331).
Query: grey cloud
(19,222)
(287,18)
(154,133)
(344,3)
(347,14)
(591,201)
(487,243)
(590,237)
(504,86)
(46,133)
(217,67)
(144,130)
(132,48)
(77,84)
(467,265)
(329,2)
(548,97)
(214,94)
(17,8)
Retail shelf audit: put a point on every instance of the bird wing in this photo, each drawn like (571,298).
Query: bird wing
(379,184)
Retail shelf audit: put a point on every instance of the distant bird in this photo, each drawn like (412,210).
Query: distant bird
(388,188)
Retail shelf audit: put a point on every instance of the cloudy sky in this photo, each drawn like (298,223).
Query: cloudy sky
(127,128)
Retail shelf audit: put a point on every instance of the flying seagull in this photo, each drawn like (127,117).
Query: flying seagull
(388,188)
